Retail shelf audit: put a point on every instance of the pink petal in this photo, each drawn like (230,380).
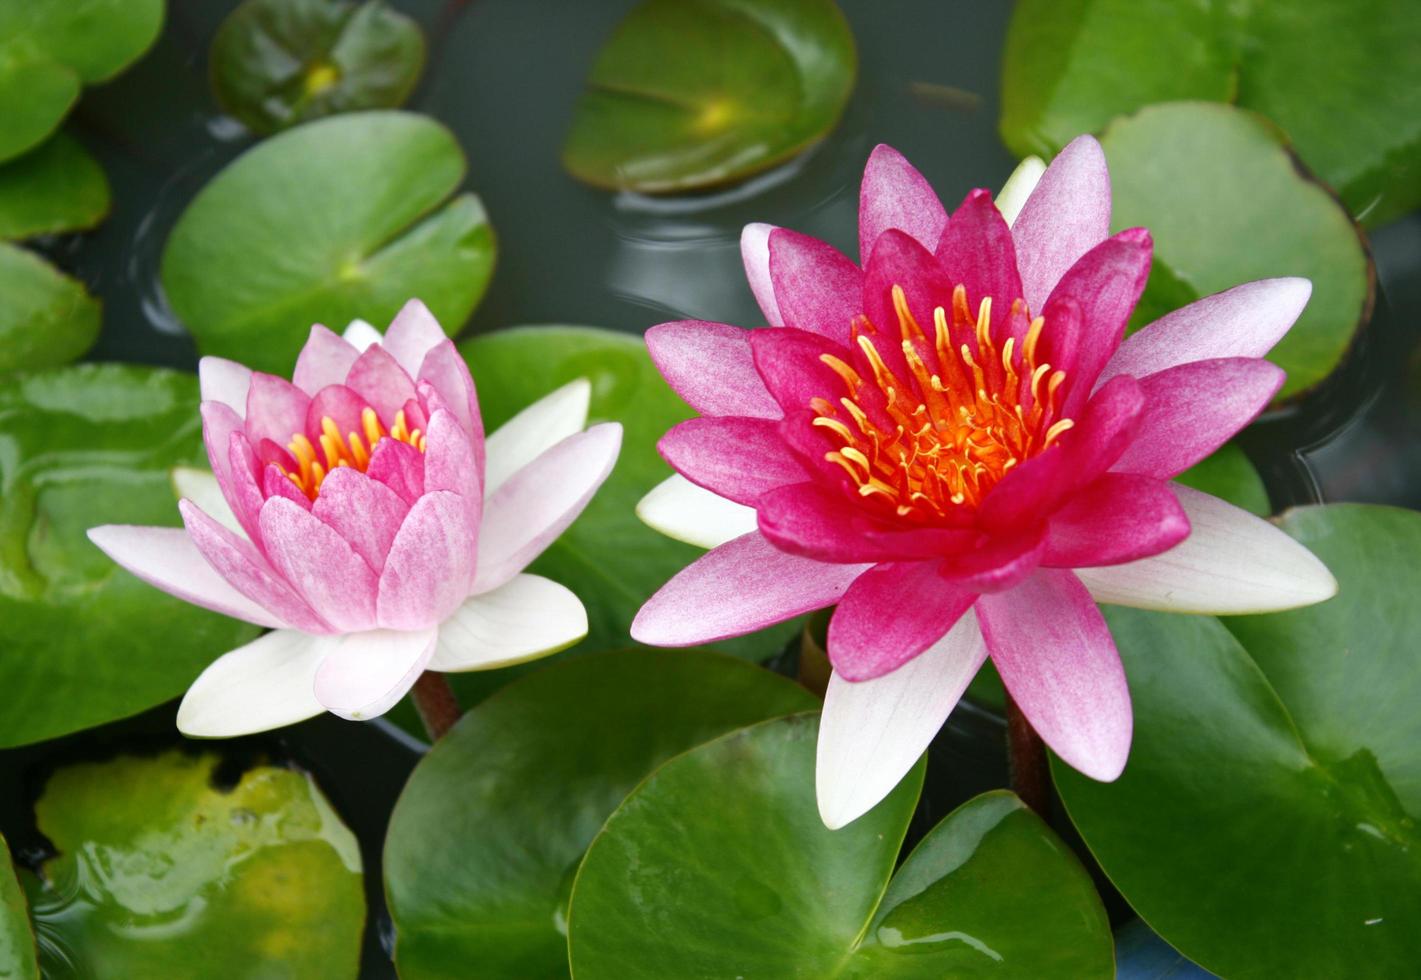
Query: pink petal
(891,614)
(711,368)
(539,502)
(899,260)
(166,558)
(1066,216)
(430,565)
(239,486)
(320,564)
(755,253)
(998,562)
(790,363)
(1245,321)
(737,458)
(219,421)
(822,523)
(977,251)
(449,464)
(275,483)
(816,287)
(364,512)
(276,409)
(367,673)
(413,333)
(225,382)
(894,195)
(343,407)
(400,467)
(1193,409)
(740,587)
(1058,662)
(378,378)
(445,371)
(1120,517)
(325,360)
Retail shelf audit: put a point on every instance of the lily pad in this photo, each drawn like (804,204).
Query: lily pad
(163,871)
(275,63)
(1266,824)
(50,49)
(1342,79)
(688,95)
(85,642)
(1229,475)
(338,219)
(1227,203)
(17,939)
(490,829)
(47,318)
(718,865)
(57,187)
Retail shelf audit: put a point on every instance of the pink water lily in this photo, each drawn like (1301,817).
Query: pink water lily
(952,443)
(359,511)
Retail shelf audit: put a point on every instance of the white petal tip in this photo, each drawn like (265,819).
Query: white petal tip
(1018,187)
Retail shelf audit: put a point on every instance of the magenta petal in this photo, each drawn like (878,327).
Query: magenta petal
(365,512)
(400,467)
(740,587)
(276,409)
(378,378)
(816,522)
(977,250)
(413,333)
(320,564)
(1066,216)
(755,253)
(790,362)
(711,368)
(240,488)
(894,195)
(224,381)
(999,562)
(325,360)
(1193,409)
(449,464)
(891,614)
(445,371)
(1120,517)
(367,673)
(275,483)
(430,565)
(737,458)
(1058,662)
(900,260)
(817,288)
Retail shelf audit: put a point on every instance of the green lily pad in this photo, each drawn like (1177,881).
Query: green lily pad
(490,829)
(1226,203)
(687,95)
(161,871)
(57,187)
(340,218)
(1266,824)
(275,63)
(17,939)
(84,641)
(1342,79)
(49,49)
(1229,475)
(718,865)
(47,318)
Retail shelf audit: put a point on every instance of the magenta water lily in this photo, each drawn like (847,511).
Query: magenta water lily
(360,512)
(955,444)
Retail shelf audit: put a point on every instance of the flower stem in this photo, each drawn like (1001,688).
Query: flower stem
(438,707)
(1030,777)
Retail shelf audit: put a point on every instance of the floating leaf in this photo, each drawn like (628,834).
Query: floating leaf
(46,318)
(1342,79)
(275,63)
(1266,824)
(57,187)
(718,865)
(84,641)
(686,95)
(340,218)
(162,871)
(17,939)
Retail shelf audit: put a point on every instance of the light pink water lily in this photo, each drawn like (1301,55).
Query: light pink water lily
(952,444)
(360,513)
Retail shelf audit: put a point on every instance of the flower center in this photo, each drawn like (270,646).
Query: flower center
(941,430)
(354,449)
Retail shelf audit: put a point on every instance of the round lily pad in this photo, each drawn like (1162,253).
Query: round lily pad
(687,95)
(86,642)
(275,63)
(1266,824)
(490,829)
(47,318)
(163,870)
(17,939)
(343,218)
(56,187)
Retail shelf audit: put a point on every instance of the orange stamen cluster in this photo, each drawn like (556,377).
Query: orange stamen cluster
(938,439)
(354,449)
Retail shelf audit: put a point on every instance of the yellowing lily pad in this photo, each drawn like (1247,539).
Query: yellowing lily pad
(17,938)
(690,94)
(56,187)
(46,318)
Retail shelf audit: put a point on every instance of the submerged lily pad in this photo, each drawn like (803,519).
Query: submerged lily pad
(338,219)
(57,187)
(1267,822)
(686,95)
(46,318)
(718,865)
(1342,79)
(17,939)
(490,829)
(84,641)
(275,63)
(163,871)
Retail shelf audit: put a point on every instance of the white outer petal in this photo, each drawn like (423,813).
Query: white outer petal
(221,380)
(202,488)
(361,335)
(873,732)
(363,674)
(1018,187)
(539,427)
(525,618)
(255,688)
(1231,563)
(679,509)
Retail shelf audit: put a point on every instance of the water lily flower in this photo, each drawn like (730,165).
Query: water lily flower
(952,444)
(359,511)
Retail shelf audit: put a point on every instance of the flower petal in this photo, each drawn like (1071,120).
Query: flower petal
(737,458)
(325,360)
(365,512)
(1058,661)
(755,253)
(361,335)
(322,566)
(789,362)
(819,522)
(412,334)
(977,251)
(276,409)
(364,674)
(679,509)
(444,370)
(894,195)
(1119,518)
(1018,188)
(872,732)
(430,565)
(224,381)
(1067,214)
(740,587)
(817,288)
(711,367)
(891,614)
(449,464)
(1231,563)
(525,618)
(202,488)
(264,685)
(400,467)
(378,378)
(536,429)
